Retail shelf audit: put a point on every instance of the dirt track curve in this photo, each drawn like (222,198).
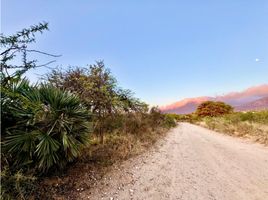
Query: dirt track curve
(191,163)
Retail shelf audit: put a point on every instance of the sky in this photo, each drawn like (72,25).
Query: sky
(162,50)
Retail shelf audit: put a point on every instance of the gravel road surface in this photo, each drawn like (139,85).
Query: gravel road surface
(191,163)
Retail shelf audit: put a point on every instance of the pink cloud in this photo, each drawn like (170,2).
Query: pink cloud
(233,98)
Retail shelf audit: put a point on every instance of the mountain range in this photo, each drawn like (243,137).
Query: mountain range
(253,98)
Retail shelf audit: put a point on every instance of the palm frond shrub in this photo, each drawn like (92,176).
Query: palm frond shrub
(44,127)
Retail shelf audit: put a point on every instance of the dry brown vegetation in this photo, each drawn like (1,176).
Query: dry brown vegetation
(250,125)
(220,117)
(96,160)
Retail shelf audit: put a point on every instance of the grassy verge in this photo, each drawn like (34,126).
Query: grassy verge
(97,159)
(250,125)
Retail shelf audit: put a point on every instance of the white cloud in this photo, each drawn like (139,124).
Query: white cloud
(257,59)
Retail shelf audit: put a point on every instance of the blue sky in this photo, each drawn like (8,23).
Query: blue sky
(162,50)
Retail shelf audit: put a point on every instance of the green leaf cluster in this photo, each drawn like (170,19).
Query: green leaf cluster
(43,126)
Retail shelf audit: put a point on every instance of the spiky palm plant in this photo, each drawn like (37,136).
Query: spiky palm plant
(48,126)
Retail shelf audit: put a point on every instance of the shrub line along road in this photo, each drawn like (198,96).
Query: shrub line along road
(191,163)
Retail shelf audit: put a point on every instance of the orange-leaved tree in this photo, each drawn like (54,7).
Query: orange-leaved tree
(213,108)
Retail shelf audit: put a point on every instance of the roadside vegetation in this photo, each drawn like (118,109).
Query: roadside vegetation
(220,117)
(73,121)
(251,125)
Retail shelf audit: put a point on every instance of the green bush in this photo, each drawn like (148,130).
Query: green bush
(44,127)
(251,125)
(250,116)
(177,117)
(256,116)
(169,121)
(137,122)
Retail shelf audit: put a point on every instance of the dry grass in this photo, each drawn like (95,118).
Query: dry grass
(126,135)
(96,161)
(255,131)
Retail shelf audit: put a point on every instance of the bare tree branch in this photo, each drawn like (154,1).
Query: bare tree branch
(45,65)
(41,52)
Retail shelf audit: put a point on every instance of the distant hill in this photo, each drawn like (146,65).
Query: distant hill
(254,98)
(259,104)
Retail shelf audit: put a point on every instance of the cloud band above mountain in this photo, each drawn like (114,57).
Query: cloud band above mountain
(236,99)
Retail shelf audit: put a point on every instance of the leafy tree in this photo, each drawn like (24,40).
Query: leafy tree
(99,90)
(75,80)
(126,102)
(213,108)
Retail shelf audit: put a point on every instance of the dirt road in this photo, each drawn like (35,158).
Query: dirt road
(191,163)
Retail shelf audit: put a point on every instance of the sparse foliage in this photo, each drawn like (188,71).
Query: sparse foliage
(17,47)
(252,125)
